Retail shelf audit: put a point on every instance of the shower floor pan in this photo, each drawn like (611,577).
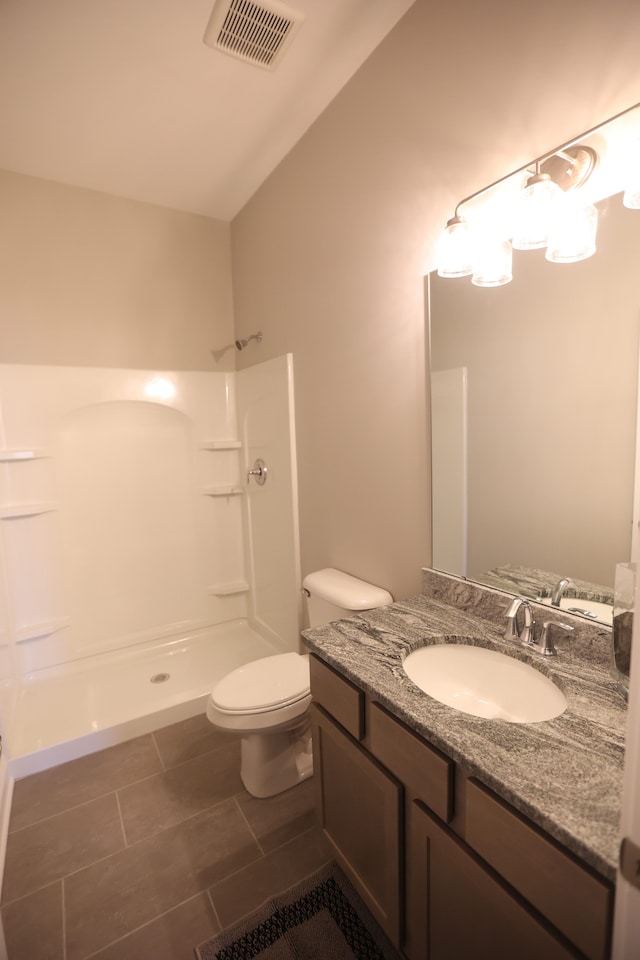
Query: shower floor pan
(67,712)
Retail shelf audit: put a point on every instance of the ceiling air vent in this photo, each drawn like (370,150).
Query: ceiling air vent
(258,33)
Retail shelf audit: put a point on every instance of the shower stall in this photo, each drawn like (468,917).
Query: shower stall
(140,559)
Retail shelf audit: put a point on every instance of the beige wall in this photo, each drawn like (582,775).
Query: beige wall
(90,279)
(329,255)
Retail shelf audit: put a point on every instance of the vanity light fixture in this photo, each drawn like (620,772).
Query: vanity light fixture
(631,196)
(549,212)
(536,209)
(455,257)
(572,235)
(543,211)
(492,264)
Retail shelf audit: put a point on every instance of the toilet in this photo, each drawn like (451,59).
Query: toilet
(267,701)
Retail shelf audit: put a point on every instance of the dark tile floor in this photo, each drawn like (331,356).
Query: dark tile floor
(147,848)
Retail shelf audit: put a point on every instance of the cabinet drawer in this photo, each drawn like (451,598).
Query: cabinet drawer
(575,900)
(426,772)
(343,700)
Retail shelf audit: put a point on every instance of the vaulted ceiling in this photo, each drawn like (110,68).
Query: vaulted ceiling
(124,97)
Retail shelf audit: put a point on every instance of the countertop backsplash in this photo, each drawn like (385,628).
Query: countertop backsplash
(589,640)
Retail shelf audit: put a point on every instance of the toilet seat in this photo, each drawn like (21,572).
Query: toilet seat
(264,685)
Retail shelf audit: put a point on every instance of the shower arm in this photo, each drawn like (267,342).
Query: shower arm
(241,344)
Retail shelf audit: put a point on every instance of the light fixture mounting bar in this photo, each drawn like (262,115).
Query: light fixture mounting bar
(545,156)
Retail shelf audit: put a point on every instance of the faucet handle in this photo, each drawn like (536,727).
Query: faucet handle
(527,635)
(545,644)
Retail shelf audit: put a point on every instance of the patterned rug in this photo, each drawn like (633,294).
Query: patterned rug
(322,917)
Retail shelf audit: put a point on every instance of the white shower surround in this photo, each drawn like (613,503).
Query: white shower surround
(132,545)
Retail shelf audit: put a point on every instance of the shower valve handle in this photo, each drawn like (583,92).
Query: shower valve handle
(258,472)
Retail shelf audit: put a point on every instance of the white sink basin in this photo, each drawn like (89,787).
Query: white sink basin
(484,683)
(602,612)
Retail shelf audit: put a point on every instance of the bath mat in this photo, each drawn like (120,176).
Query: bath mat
(322,917)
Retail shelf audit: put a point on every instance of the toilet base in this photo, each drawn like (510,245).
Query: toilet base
(274,762)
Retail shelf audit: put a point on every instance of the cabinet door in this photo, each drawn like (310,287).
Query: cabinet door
(460,908)
(359,805)
(577,902)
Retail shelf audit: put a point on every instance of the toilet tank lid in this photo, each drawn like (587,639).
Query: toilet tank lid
(343,590)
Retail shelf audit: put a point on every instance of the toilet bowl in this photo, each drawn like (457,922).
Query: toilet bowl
(267,701)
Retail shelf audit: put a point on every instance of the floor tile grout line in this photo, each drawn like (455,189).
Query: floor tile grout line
(245,792)
(64,922)
(124,786)
(142,926)
(207,753)
(79,760)
(84,803)
(235,873)
(248,866)
(60,813)
(23,896)
(155,743)
(251,830)
(265,856)
(183,820)
(130,846)
(293,839)
(213,907)
(66,876)
(188,816)
(122,826)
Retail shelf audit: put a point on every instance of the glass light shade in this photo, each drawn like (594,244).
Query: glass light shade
(573,235)
(535,212)
(493,260)
(454,249)
(631,195)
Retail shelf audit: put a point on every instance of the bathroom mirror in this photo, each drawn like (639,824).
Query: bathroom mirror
(534,400)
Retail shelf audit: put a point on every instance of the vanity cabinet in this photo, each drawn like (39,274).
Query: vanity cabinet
(446,867)
(360,812)
(463,908)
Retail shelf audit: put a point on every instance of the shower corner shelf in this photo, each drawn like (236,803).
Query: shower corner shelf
(226,490)
(37,631)
(221,445)
(228,589)
(17,511)
(16,456)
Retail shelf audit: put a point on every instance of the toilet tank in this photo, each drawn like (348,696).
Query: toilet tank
(333,595)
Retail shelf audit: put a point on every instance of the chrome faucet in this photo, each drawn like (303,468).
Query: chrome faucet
(559,590)
(544,644)
(511,613)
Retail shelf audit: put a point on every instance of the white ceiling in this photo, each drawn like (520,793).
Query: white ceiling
(122,96)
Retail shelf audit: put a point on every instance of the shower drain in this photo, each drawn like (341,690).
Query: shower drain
(160,677)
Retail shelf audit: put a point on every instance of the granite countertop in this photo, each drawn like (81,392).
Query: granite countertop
(532,582)
(563,774)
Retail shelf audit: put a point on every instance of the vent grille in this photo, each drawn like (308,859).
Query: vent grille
(257,33)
